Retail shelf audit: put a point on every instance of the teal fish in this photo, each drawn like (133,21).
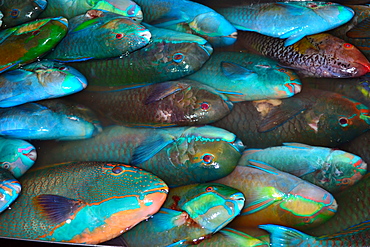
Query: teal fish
(17,12)
(169,56)
(190,214)
(331,169)
(246,76)
(191,17)
(10,189)
(276,197)
(288,20)
(172,103)
(28,42)
(92,203)
(39,80)
(48,120)
(98,35)
(178,155)
(314,117)
(71,8)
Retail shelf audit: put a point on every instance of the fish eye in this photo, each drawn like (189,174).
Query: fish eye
(209,189)
(312,5)
(117,169)
(119,35)
(345,181)
(62,68)
(208,158)
(343,121)
(347,45)
(282,70)
(178,57)
(35,32)
(14,13)
(204,106)
(6,166)
(306,220)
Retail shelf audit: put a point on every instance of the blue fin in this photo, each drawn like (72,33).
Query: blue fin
(167,219)
(297,145)
(294,38)
(175,16)
(164,89)
(263,166)
(150,147)
(178,243)
(57,208)
(285,236)
(361,30)
(235,71)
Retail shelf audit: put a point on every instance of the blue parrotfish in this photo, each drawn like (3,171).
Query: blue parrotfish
(28,42)
(331,169)
(92,203)
(190,214)
(97,35)
(39,80)
(288,20)
(170,55)
(178,155)
(72,8)
(166,104)
(49,119)
(17,12)
(247,76)
(276,197)
(191,17)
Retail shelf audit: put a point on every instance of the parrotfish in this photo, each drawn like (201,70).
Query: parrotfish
(82,202)
(288,20)
(98,35)
(172,103)
(284,237)
(28,42)
(228,237)
(318,55)
(39,80)
(246,76)
(169,56)
(353,210)
(332,169)
(71,8)
(190,214)
(10,188)
(178,155)
(49,119)
(191,17)
(17,12)
(276,197)
(314,117)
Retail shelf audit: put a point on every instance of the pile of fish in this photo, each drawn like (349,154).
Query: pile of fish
(176,123)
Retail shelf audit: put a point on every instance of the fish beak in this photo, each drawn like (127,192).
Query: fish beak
(31,155)
(208,48)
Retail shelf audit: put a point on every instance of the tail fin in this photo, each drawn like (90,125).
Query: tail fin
(281,236)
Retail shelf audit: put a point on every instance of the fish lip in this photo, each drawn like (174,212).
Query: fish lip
(32,155)
(207,47)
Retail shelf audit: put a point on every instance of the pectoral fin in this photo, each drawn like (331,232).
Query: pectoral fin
(164,89)
(235,71)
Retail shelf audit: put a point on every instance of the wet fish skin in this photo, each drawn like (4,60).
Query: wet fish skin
(48,120)
(190,17)
(10,189)
(276,197)
(318,55)
(314,117)
(169,56)
(331,169)
(173,103)
(104,200)
(288,20)
(190,214)
(99,35)
(246,76)
(17,12)
(179,155)
(28,42)
(39,80)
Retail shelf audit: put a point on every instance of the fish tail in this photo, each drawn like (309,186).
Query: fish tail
(281,236)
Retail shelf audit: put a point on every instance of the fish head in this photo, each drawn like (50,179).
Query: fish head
(341,170)
(19,12)
(214,28)
(333,14)
(210,205)
(211,152)
(344,60)
(200,104)
(17,156)
(307,206)
(122,7)
(291,83)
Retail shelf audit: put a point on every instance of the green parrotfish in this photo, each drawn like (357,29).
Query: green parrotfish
(178,155)
(82,202)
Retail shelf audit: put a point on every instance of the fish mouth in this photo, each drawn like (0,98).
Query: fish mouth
(293,88)
(32,155)
(362,68)
(207,48)
(238,145)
